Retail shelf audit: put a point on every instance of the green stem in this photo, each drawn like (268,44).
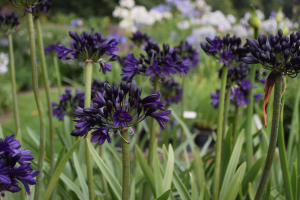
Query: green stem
(282,154)
(273,138)
(151,145)
(126,165)
(14,90)
(58,78)
(182,107)
(218,146)
(47,90)
(39,179)
(102,149)
(236,123)
(87,103)
(226,110)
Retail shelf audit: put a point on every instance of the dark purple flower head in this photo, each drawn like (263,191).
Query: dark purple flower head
(157,62)
(117,107)
(12,174)
(50,48)
(139,38)
(67,103)
(41,8)
(8,21)
(171,92)
(215,98)
(90,47)
(225,57)
(277,53)
(227,50)
(186,51)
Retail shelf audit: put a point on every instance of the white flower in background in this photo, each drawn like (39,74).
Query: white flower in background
(156,15)
(120,12)
(127,3)
(167,15)
(202,6)
(198,35)
(3,63)
(183,25)
(128,24)
(217,19)
(269,26)
(241,31)
(195,21)
(231,18)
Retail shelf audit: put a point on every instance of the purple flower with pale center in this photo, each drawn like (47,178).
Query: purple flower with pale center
(132,68)
(161,118)
(226,57)
(121,117)
(216,45)
(100,135)
(154,69)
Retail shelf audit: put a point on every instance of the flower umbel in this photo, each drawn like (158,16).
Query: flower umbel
(89,47)
(119,106)
(11,173)
(8,21)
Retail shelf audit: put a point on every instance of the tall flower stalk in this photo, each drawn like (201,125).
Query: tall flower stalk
(255,22)
(280,56)
(40,164)
(47,90)
(126,164)
(14,89)
(8,22)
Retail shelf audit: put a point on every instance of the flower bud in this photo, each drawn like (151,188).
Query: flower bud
(109,106)
(208,40)
(286,54)
(138,92)
(108,91)
(254,21)
(89,110)
(151,109)
(121,95)
(105,112)
(139,108)
(132,88)
(288,65)
(280,33)
(166,48)
(293,38)
(115,90)
(131,101)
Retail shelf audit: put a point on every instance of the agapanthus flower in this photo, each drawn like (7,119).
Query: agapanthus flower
(50,48)
(67,104)
(119,38)
(119,106)
(238,96)
(26,4)
(41,8)
(157,62)
(139,38)
(171,92)
(278,53)
(97,86)
(12,174)
(186,51)
(227,50)
(8,21)
(90,47)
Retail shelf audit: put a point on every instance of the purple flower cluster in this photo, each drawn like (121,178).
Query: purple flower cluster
(277,53)
(11,174)
(171,92)
(227,50)
(50,48)
(238,96)
(119,106)
(97,86)
(67,104)
(157,62)
(186,51)
(89,47)
(139,38)
(41,8)
(8,21)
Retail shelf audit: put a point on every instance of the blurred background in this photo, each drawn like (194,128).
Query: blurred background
(169,21)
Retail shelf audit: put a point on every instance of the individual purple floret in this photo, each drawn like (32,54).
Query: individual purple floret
(11,173)
(50,48)
(156,63)
(118,107)
(8,21)
(67,103)
(90,47)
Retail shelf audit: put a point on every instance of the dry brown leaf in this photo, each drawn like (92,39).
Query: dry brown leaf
(268,89)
